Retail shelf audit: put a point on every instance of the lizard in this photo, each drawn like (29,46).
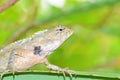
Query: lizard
(25,53)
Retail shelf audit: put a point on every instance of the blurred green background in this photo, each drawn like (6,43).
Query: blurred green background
(95,44)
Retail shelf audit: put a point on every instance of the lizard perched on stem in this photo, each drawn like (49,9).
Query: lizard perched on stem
(28,52)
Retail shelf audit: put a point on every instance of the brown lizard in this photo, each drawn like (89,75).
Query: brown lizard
(25,53)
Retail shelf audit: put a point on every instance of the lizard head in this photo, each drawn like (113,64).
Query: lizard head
(59,33)
(55,37)
(62,33)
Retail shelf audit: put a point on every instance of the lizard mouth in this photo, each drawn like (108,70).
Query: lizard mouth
(69,32)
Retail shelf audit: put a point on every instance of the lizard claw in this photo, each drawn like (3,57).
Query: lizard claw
(67,71)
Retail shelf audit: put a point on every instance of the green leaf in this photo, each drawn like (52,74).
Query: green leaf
(55,76)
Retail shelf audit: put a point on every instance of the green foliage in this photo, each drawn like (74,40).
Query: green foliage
(94,46)
(55,76)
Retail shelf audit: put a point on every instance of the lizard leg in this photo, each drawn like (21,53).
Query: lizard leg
(11,63)
(2,74)
(56,68)
(9,66)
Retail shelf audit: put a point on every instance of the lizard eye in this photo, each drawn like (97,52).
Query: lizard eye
(60,28)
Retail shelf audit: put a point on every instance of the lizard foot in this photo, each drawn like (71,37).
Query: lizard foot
(58,69)
(67,71)
(1,75)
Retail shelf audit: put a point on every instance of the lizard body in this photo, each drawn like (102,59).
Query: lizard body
(25,53)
